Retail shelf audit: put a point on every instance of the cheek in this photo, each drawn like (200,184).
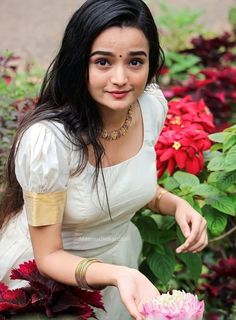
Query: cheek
(94,81)
(141,79)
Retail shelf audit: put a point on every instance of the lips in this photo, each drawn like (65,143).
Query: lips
(119,94)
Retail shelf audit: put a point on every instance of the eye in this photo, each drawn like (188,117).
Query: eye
(102,62)
(136,62)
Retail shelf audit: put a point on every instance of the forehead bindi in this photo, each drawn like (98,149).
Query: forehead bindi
(121,41)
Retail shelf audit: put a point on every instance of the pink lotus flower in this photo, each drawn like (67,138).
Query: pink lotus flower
(177,305)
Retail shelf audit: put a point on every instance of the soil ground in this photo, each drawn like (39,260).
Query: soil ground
(33,28)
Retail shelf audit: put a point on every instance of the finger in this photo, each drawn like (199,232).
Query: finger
(184,227)
(201,244)
(198,228)
(133,309)
(202,232)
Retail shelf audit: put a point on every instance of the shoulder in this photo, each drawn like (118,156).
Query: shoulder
(44,133)
(45,127)
(155,99)
(42,162)
(154,108)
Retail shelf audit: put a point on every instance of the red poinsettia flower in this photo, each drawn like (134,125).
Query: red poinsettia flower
(182,149)
(217,89)
(46,295)
(185,112)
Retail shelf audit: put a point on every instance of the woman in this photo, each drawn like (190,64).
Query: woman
(83,162)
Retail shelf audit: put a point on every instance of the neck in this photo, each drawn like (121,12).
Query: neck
(113,119)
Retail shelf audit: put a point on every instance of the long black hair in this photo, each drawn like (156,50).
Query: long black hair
(64,95)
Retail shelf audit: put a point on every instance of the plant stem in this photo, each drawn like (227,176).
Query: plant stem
(223,235)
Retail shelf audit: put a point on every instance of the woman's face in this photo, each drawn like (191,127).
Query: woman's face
(118,67)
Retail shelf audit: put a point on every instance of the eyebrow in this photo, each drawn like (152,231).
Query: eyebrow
(110,54)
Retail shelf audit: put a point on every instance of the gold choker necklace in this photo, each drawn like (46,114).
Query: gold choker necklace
(117,133)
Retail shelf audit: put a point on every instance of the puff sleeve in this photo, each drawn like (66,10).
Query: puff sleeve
(159,106)
(42,169)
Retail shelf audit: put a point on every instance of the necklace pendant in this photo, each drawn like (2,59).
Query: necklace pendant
(117,133)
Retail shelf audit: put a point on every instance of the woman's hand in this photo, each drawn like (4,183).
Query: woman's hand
(135,289)
(193,227)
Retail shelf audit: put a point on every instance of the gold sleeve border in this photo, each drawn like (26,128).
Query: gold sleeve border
(44,208)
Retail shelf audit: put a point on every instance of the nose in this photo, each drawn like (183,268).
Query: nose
(119,76)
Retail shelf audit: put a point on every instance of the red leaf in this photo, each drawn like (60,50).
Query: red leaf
(13,300)
(3,287)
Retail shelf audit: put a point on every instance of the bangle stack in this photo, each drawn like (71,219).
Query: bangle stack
(80,274)
(158,198)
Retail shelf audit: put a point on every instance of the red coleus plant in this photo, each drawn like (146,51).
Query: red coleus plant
(184,137)
(215,51)
(22,106)
(46,295)
(7,66)
(220,287)
(217,89)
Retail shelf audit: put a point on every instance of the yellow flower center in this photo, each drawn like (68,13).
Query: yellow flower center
(176,145)
(176,120)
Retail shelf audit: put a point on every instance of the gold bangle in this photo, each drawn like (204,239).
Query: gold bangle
(158,198)
(80,274)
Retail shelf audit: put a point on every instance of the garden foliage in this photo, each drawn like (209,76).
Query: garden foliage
(196,156)
(46,296)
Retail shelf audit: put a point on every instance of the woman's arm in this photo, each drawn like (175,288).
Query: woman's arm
(191,223)
(52,261)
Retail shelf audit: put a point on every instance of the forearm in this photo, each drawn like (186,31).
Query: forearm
(164,203)
(61,265)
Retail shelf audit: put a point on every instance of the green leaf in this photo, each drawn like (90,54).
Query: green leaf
(170,183)
(217,137)
(148,229)
(180,235)
(189,199)
(217,163)
(216,147)
(204,190)
(193,263)
(186,179)
(226,179)
(164,222)
(216,220)
(145,269)
(229,142)
(231,129)
(230,160)
(222,203)
(211,154)
(162,264)
(167,235)
(213,177)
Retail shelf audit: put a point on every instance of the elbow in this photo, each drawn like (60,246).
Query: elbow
(41,268)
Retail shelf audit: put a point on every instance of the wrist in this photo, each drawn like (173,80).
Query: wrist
(178,203)
(169,203)
(102,274)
